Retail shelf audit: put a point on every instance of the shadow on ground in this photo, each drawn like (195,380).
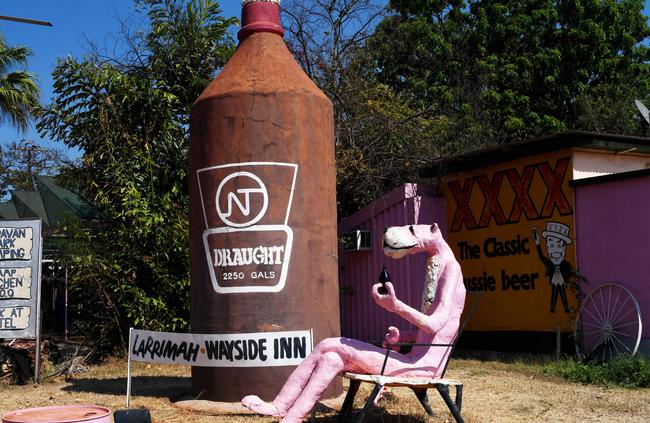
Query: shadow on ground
(142,386)
(378,416)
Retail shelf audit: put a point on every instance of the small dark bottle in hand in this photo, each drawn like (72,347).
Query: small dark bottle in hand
(383,278)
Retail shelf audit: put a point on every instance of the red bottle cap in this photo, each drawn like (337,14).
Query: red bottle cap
(260,16)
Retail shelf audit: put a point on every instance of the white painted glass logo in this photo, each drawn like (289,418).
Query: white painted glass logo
(241,199)
(247,239)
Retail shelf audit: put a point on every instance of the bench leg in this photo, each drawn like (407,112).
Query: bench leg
(459,397)
(421,394)
(346,409)
(453,407)
(369,403)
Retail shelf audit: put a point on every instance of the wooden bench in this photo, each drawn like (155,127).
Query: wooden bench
(419,386)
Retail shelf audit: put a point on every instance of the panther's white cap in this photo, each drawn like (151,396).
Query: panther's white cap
(245,2)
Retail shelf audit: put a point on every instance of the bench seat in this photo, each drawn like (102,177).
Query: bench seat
(419,386)
(408,382)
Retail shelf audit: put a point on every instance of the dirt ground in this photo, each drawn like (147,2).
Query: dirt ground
(495,391)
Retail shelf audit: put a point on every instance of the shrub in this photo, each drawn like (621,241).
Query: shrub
(626,371)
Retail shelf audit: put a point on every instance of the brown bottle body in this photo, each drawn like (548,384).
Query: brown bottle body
(262,182)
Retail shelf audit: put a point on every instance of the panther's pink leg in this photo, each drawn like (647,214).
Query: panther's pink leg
(355,356)
(289,392)
(329,365)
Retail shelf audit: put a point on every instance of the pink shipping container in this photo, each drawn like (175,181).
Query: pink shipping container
(614,235)
(359,268)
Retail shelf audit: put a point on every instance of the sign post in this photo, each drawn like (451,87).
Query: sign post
(128,371)
(20,282)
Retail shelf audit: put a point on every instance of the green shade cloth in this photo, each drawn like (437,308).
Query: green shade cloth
(29,204)
(61,203)
(8,210)
(52,203)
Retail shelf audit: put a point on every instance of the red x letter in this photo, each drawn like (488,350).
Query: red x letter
(521,185)
(492,207)
(461,197)
(553,179)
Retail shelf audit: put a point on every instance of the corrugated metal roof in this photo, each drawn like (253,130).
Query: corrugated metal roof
(540,145)
(51,203)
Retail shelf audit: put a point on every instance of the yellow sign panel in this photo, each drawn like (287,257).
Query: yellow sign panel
(511,228)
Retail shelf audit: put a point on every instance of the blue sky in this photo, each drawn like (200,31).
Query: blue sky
(76,23)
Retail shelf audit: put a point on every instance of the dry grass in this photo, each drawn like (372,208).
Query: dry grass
(494,392)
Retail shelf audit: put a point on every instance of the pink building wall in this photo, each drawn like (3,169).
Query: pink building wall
(613,237)
(409,204)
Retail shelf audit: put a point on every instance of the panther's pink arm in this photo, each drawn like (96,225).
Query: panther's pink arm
(439,309)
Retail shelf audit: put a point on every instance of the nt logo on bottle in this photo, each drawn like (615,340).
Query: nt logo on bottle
(247,239)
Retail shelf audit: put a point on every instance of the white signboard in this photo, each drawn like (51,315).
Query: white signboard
(16,243)
(15,283)
(14,318)
(266,349)
(20,249)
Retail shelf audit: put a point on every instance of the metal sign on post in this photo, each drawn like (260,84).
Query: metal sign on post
(20,282)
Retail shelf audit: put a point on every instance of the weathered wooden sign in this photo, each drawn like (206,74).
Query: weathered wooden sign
(14,318)
(20,261)
(15,283)
(16,243)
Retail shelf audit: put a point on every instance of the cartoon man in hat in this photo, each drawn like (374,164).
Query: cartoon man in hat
(557,268)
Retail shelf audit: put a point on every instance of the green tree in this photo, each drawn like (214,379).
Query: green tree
(19,94)
(188,43)
(435,78)
(514,69)
(129,118)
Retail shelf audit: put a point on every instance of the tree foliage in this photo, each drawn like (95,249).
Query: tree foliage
(130,120)
(518,69)
(19,93)
(381,142)
(188,43)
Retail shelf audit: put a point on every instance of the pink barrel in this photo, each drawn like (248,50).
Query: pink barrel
(60,414)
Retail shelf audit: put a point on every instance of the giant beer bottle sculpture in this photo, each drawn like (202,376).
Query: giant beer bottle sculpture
(263,214)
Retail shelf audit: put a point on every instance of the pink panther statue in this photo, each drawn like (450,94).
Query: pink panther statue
(437,321)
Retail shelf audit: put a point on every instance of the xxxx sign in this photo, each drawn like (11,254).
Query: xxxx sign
(511,227)
(518,181)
